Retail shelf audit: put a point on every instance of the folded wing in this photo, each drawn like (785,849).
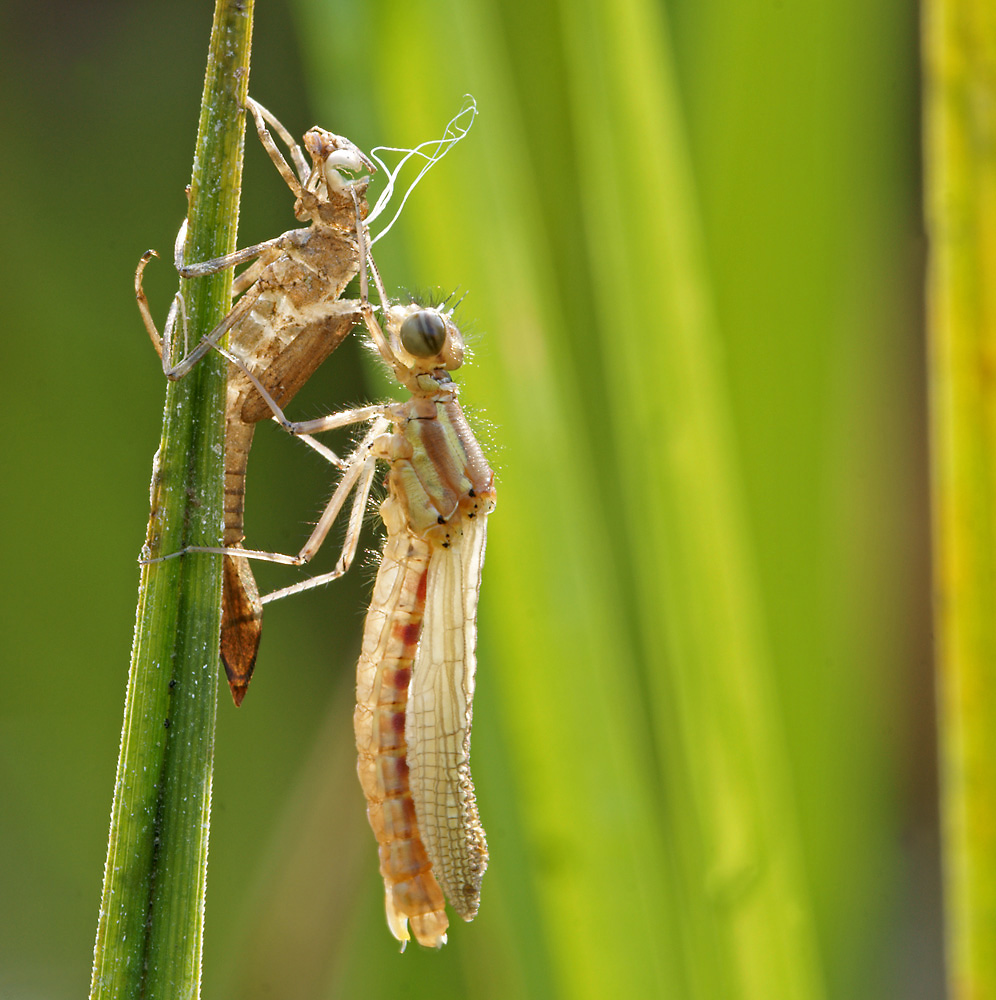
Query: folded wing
(438,723)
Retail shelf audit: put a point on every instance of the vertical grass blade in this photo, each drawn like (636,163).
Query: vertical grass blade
(150,925)
(718,735)
(960,52)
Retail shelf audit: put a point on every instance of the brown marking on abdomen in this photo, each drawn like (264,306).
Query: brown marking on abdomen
(390,638)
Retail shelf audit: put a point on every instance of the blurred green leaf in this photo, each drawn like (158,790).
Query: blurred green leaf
(960,56)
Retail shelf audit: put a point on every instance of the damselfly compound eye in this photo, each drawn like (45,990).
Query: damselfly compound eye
(423,333)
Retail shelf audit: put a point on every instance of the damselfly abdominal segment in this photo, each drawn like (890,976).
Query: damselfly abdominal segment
(287,321)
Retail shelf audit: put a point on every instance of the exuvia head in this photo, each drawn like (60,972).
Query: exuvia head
(331,153)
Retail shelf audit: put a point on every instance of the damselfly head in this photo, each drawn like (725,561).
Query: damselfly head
(424,339)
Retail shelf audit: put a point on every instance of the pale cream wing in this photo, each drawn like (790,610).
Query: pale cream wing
(440,710)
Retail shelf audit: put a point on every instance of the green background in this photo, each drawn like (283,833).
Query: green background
(797,125)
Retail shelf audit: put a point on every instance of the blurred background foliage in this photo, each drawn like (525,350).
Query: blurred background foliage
(797,142)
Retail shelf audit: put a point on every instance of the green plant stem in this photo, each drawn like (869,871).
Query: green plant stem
(149,933)
(960,49)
